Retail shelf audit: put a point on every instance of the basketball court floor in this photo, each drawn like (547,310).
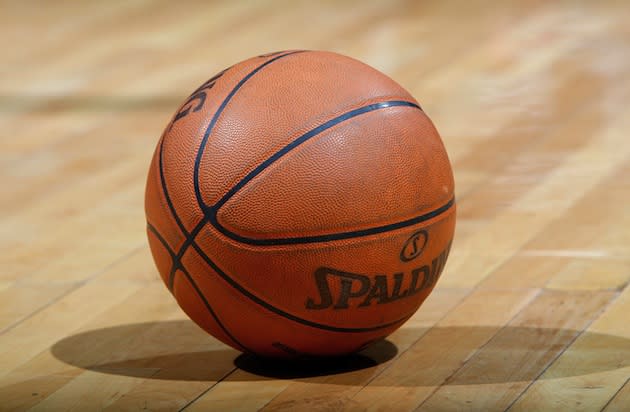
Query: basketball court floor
(531,312)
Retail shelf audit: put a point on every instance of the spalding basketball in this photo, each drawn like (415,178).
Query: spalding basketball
(300,203)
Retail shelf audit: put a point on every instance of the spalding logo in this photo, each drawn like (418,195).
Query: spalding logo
(414,246)
(341,290)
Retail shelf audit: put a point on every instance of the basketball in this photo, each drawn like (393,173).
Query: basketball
(300,203)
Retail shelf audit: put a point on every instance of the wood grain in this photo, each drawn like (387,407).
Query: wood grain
(531,100)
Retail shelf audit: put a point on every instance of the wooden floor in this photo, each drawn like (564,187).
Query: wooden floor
(531,99)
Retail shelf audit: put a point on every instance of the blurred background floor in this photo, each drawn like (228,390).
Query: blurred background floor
(531,99)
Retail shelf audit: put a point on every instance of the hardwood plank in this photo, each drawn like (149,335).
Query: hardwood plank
(75,227)
(441,351)
(621,399)
(21,300)
(80,393)
(29,372)
(531,100)
(496,375)
(158,354)
(590,258)
(591,371)
(91,151)
(36,333)
(537,208)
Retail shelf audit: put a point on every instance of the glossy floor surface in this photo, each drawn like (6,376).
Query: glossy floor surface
(531,99)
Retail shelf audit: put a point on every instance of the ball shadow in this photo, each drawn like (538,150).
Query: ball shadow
(179,350)
(377,353)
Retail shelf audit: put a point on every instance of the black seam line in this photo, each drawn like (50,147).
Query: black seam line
(211,213)
(161,239)
(332,236)
(189,237)
(215,118)
(176,258)
(194,285)
(305,137)
(212,313)
(245,292)
(287,315)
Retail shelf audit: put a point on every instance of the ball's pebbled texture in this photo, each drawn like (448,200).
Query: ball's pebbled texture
(300,203)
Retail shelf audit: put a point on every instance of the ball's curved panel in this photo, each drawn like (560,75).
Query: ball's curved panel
(300,203)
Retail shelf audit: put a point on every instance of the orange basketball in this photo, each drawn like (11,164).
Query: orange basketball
(300,203)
